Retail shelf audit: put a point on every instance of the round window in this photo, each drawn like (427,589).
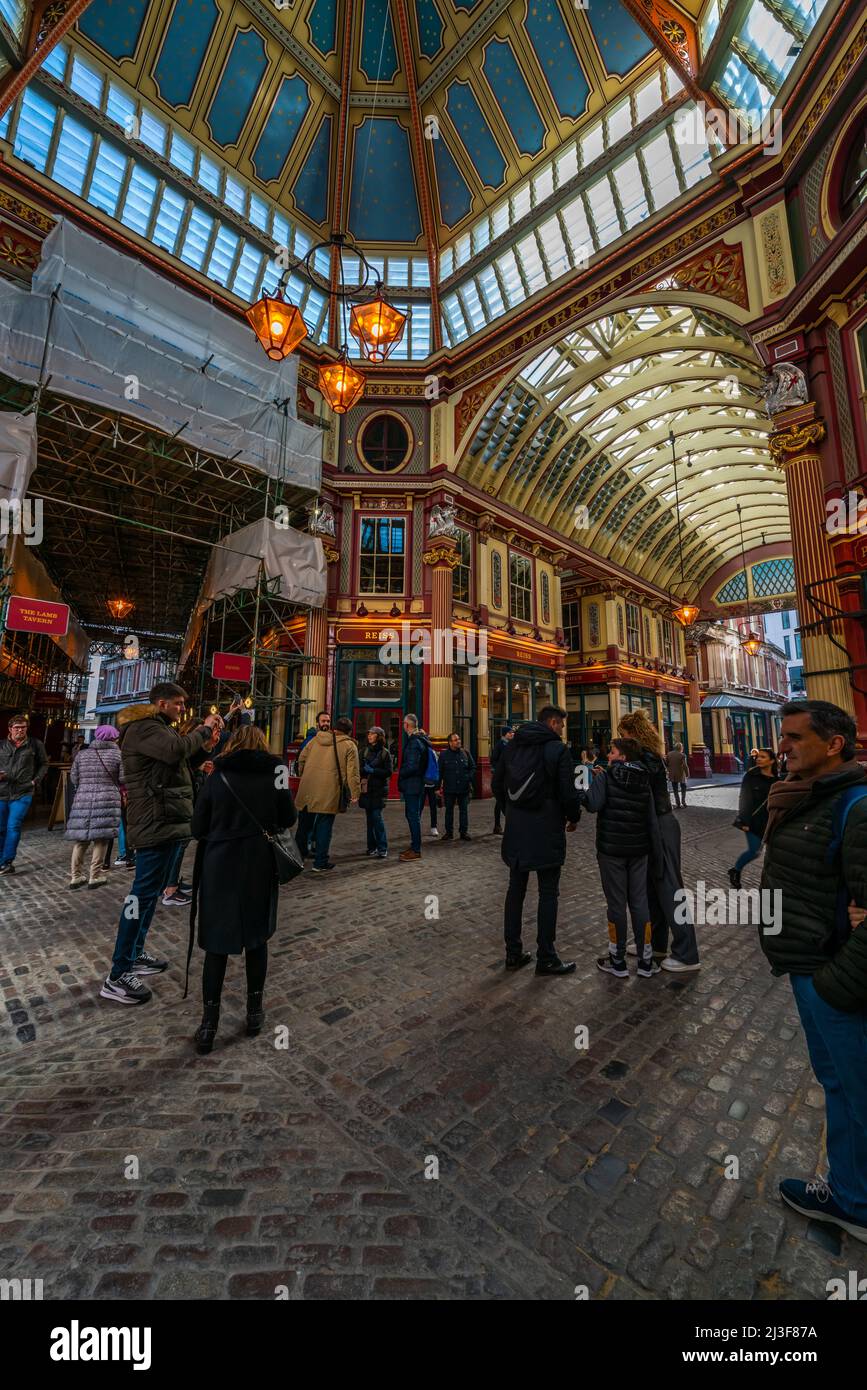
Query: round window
(384,443)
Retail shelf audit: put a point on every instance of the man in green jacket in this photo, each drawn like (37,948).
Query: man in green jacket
(821,878)
(156,770)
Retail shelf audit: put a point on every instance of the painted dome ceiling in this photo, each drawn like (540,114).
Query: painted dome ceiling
(452,102)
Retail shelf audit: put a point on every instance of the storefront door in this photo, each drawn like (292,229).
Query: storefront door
(391,720)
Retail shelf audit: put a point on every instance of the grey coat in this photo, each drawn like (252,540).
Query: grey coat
(95,776)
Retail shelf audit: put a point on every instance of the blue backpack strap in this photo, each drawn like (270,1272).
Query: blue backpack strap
(844,803)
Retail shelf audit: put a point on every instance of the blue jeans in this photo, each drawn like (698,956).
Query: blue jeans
(412,804)
(153,871)
(837,1044)
(752,851)
(12,815)
(323,826)
(376,836)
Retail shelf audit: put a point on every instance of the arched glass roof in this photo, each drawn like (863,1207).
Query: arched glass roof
(579,440)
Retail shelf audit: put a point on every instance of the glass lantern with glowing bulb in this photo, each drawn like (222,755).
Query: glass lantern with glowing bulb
(377,326)
(686,614)
(751,644)
(340,384)
(119,607)
(278,326)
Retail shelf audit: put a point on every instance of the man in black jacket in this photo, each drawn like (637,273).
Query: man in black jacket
(23,764)
(507,733)
(627,839)
(156,770)
(535,780)
(818,867)
(456,776)
(411,780)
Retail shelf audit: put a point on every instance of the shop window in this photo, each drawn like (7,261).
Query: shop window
(633,629)
(520,588)
(383,547)
(572,624)
(546,599)
(462,570)
(498,696)
(384,443)
(520,699)
(667,643)
(543,694)
(496,579)
(854,188)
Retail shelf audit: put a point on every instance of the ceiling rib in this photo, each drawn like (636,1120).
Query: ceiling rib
(422,177)
(338,225)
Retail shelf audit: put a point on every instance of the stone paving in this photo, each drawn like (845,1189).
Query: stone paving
(130,1167)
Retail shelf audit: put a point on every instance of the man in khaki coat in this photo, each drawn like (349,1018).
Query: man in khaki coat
(327,764)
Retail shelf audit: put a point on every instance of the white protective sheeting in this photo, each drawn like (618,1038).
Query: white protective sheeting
(126,338)
(294,558)
(30,579)
(17,455)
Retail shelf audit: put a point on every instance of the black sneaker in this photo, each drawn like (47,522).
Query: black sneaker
(613,965)
(466,837)
(176,899)
(646,968)
(7,868)
(147,964)
(735,878)
(514,961)
(553,965)
(448,835)
(126,989)
(324,869)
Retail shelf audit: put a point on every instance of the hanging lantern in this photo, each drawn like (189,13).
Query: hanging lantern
(278,326)
(119,607)
(377,327)
(686,614)
(340,384)
(751,644)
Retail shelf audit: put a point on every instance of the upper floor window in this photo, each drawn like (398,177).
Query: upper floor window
(667,643)
(384,443)
(520,587)
(383,553)
(854,188)
(633,628)
(463,569)
(572,624)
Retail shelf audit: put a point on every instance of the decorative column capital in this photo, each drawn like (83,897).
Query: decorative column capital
(789,444)
(332,554)
(444,553)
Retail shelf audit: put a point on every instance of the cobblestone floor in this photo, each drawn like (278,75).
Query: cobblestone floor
(304,1167)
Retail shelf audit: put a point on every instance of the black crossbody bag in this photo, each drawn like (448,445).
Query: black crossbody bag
(288,863)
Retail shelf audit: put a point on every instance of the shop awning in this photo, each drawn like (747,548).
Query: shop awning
(741,702)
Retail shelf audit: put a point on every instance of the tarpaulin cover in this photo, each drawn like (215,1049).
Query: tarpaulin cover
(17,454)
(30,580)
(291,557)
(126,338)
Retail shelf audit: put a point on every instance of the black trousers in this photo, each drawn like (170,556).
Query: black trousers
(546,921)
(214,972)
(498,812)
(462,799)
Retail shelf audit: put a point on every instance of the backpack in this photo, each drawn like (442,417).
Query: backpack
(432,771)
(528,781)
(845,801)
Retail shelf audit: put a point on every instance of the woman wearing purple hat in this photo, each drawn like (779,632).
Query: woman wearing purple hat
(95,814)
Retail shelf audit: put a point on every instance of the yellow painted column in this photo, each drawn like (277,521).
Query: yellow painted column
(442,556)
(316,650)
(277,731)
(793,449)
(614,707)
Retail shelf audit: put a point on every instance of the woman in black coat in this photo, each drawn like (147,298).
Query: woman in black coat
(752,815)
(376,770)
(234,880)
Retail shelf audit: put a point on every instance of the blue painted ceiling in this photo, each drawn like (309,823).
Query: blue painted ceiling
(500,87)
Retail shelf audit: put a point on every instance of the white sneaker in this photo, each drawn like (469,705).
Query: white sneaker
(677,966)
(435,834)
(631,949)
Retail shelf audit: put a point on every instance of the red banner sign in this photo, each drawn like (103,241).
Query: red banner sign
(37,615)
(230,666)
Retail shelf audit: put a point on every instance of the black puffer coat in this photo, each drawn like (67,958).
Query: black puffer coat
(752,804)
(536,839)
(658,774)
(626,819)
(234,872)
(795,866)
(376,767)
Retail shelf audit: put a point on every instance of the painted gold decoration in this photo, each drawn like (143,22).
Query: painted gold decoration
(786,444)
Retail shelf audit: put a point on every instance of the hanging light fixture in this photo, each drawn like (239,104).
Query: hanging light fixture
(377,326)
(750,642)
(119,607)
(685,613)
(278,325)
(340,383)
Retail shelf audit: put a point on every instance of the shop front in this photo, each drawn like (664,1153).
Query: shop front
(369,693)
(588,718)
